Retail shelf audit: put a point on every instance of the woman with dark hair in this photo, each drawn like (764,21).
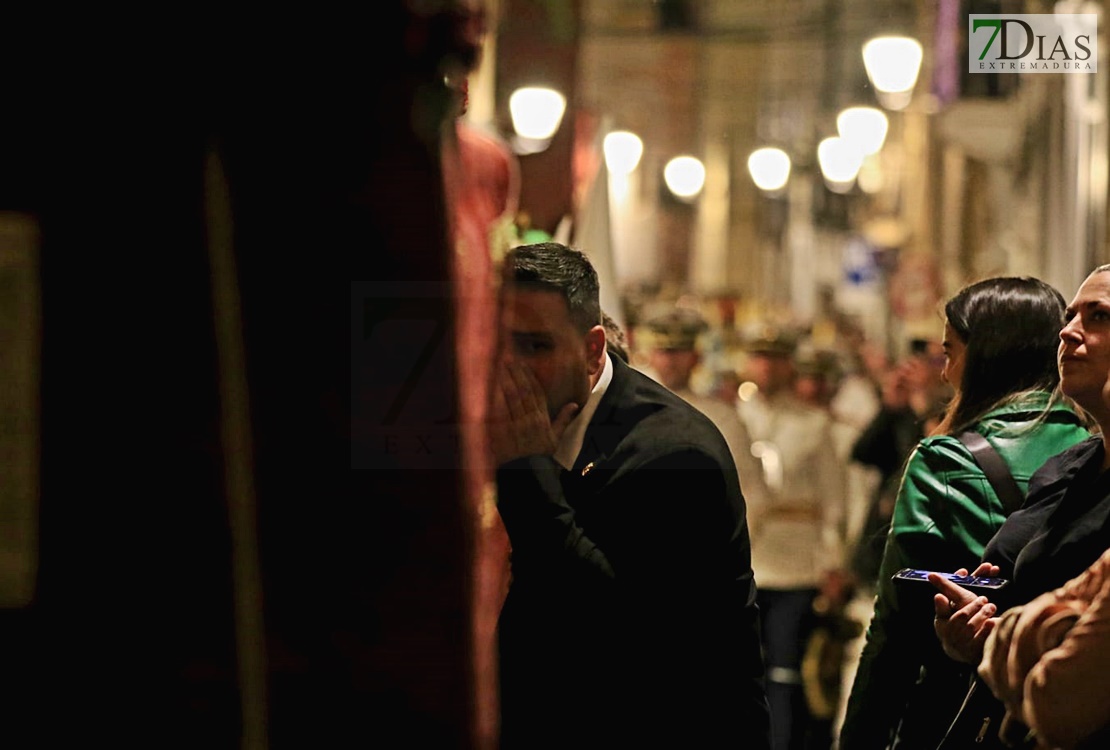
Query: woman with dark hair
(1062,529)
(1015,323)
(1000,340)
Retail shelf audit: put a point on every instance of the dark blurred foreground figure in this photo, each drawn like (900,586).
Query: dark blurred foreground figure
(631,618)
(256,375)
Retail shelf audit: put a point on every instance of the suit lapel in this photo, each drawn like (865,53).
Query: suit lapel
(606,428)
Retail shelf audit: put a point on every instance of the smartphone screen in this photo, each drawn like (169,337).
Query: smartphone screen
(969,582)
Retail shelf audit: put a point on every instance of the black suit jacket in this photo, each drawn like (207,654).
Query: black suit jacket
(631,615)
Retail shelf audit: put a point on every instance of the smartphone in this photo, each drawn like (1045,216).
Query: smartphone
(975,583)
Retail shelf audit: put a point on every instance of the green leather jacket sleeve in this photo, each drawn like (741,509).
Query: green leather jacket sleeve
(942,492)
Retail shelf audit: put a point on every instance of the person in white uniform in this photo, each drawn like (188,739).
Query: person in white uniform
(798,532)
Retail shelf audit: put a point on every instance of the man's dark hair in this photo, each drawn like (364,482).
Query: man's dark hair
(552,267)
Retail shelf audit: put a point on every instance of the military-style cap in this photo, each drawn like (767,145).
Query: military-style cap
(678,329)
(771,341)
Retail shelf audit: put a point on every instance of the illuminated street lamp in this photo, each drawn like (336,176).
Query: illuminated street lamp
(536,113)
(770,168)
(623,150)
(840,162)
(863,127)
(685,176)
(892,64)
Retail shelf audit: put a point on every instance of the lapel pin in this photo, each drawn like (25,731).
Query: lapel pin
(587,468)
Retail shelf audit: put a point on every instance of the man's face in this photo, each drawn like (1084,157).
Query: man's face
(771,372)
(537,331)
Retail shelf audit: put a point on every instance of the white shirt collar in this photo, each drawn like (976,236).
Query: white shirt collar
(570,444)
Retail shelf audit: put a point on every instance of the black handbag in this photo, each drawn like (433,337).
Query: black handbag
(981,722)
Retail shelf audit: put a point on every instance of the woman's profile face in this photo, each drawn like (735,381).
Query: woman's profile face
(954,348)
(1084,353)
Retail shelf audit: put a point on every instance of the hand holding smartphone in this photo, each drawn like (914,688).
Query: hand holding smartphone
(981,584)
(964,614)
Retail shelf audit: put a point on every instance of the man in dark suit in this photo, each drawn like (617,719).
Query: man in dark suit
(631,618)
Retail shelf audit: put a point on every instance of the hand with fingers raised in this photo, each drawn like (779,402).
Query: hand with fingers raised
(519,424)
(963,620)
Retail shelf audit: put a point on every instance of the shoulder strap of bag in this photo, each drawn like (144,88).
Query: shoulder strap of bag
(993,465)
(978,722)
